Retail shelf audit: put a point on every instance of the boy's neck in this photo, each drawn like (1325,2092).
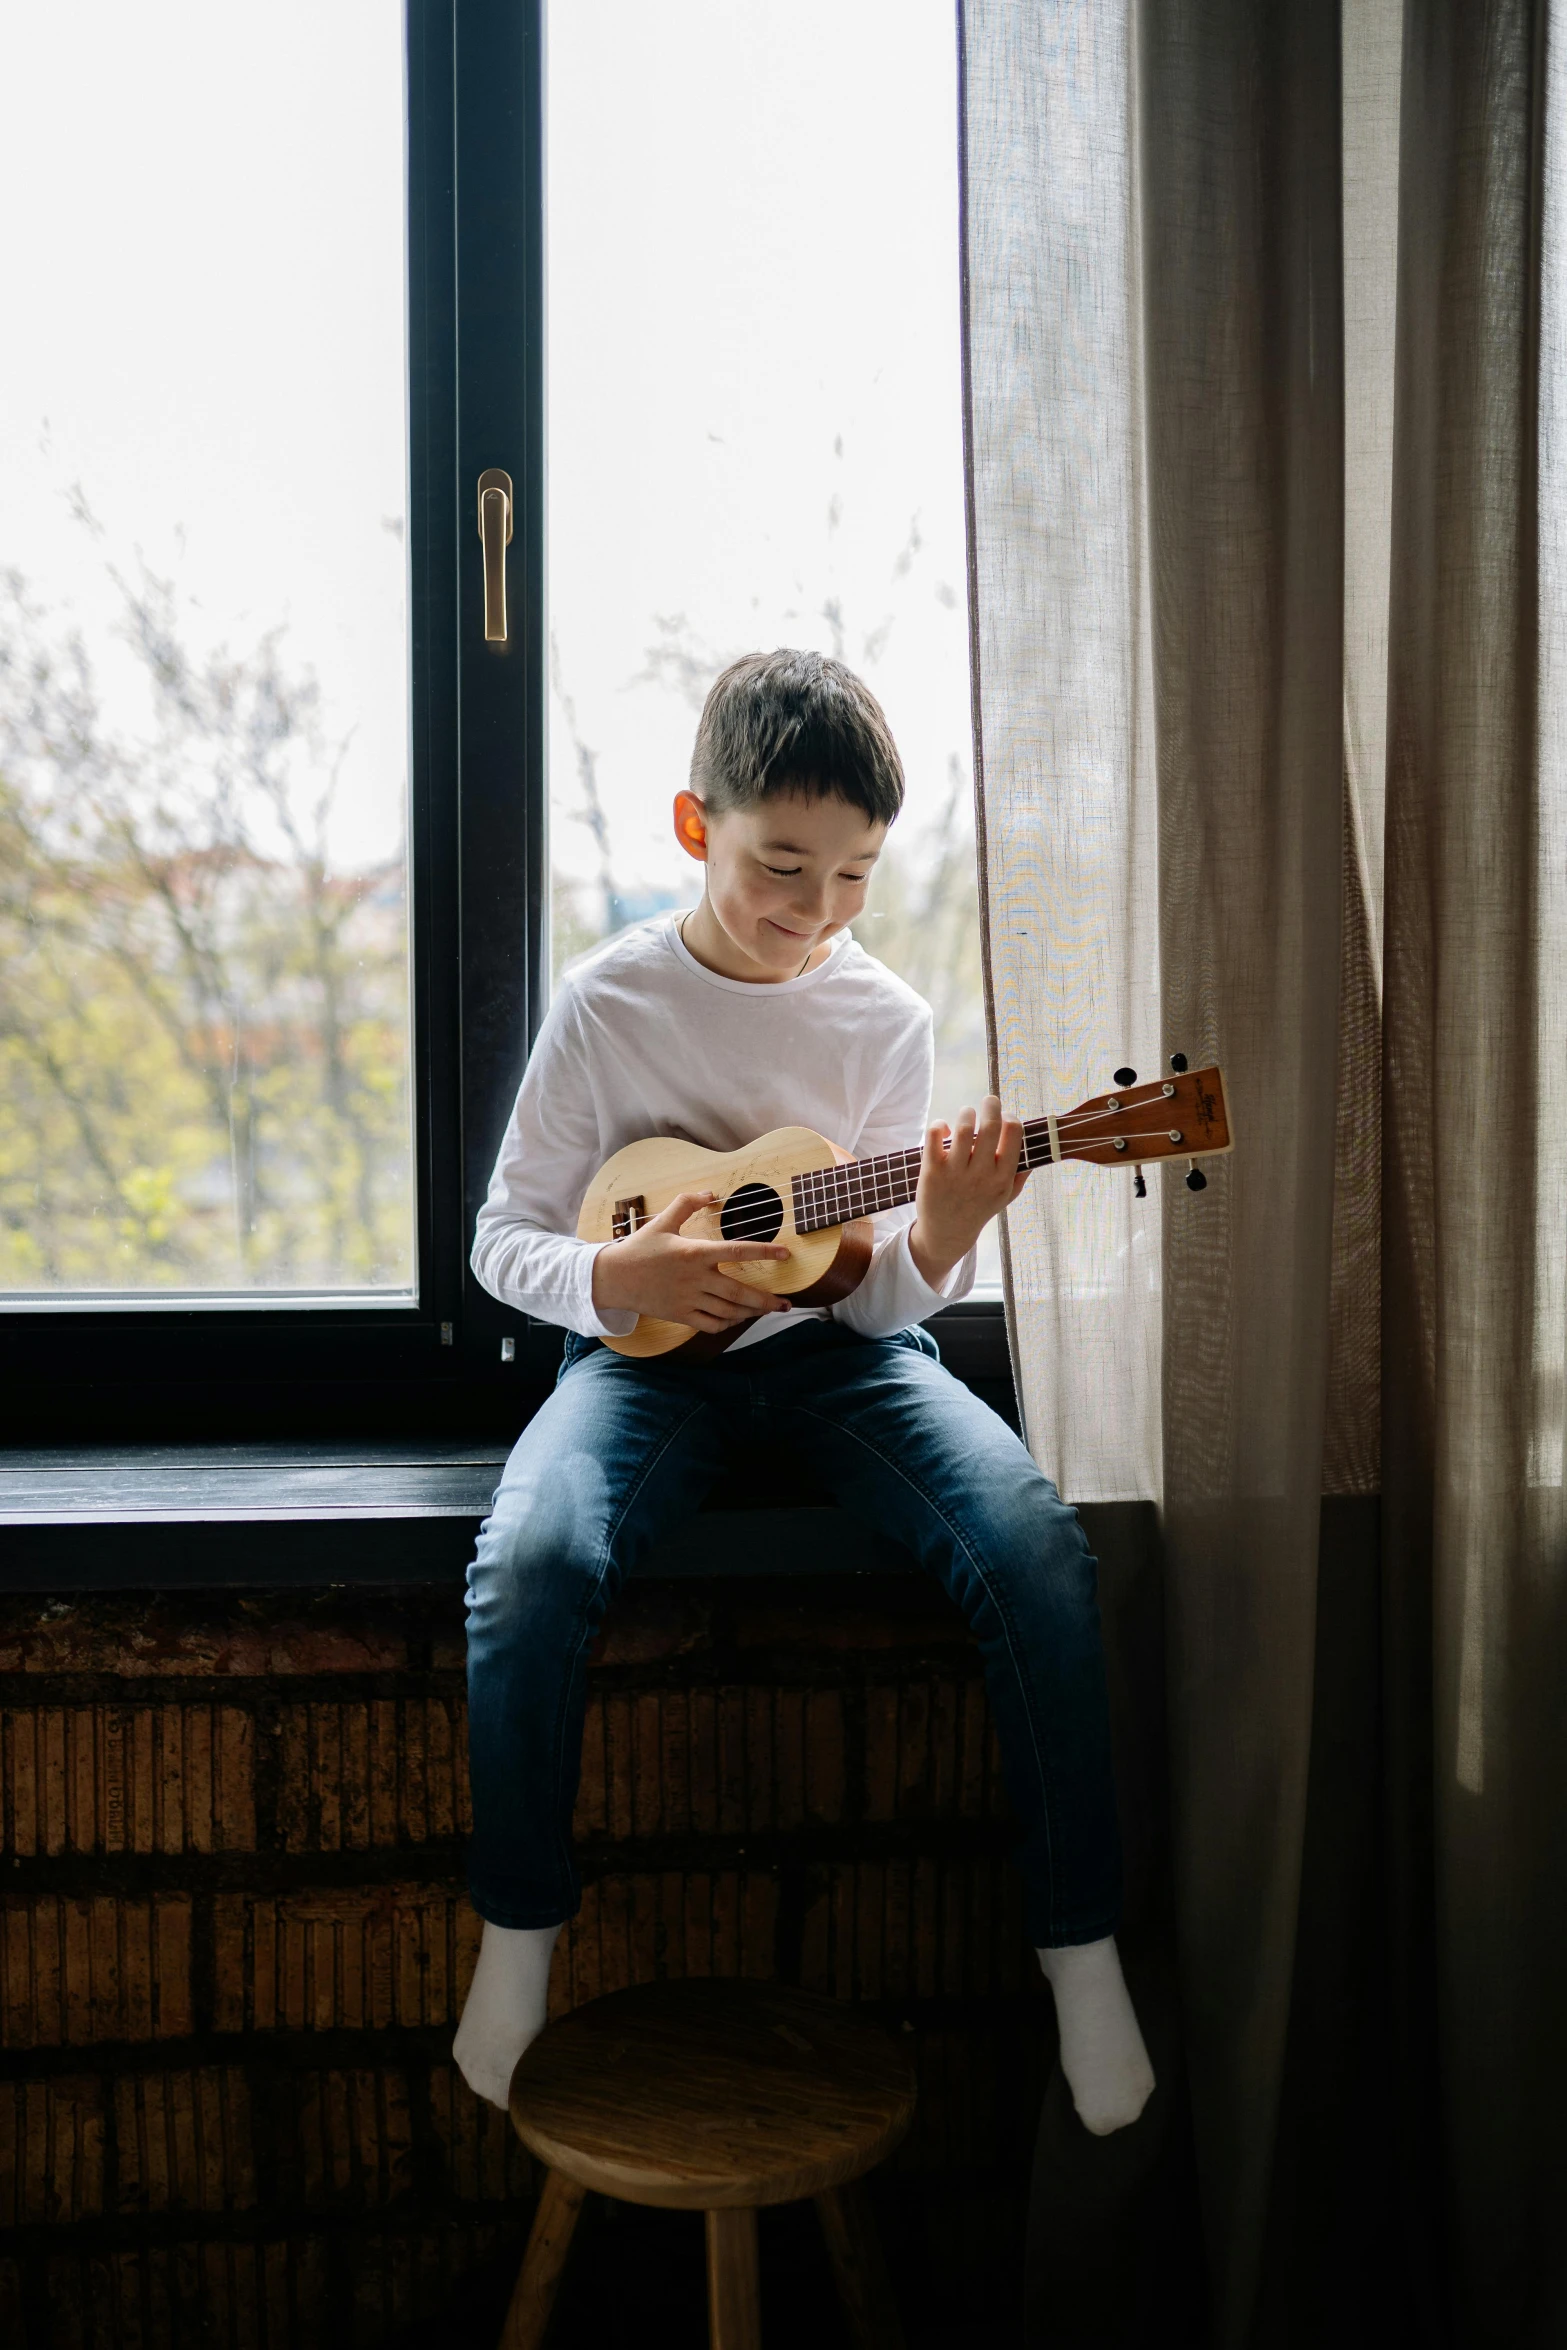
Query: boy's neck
(705,939)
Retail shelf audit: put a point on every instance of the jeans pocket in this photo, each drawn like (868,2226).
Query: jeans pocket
(572,1352)
(920,1339)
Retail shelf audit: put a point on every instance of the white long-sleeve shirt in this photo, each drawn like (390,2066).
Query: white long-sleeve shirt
(642,1039)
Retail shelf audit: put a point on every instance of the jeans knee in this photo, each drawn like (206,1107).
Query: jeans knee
(1056,1571)
(535,1570)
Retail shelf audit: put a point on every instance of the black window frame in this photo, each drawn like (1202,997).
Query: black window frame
(477,850)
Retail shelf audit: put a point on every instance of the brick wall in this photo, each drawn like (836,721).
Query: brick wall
(234,1942)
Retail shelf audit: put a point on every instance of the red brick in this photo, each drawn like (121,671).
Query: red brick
(19,1759)
(171,1924)
(354,1726)
(731,1760)
(789,1754)
(652,1624)
(824,1754)
(647,1792)
(383,1772)
(702,1710)
(52,1775)
(759,1787)
(674,1762)
(590,1814)
(235,1821)
(440,1748)
(881,1751)
(759,1926)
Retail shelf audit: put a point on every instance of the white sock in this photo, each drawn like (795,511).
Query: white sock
(1102,2052)
(505,2007)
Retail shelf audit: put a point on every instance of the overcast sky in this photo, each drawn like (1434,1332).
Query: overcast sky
(203,326)
(753,287)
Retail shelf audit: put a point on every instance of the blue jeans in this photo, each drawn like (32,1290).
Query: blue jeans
(623,1451)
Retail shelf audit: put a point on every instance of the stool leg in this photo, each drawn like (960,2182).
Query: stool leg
(538,2280)
(855,2251)
(734,2291)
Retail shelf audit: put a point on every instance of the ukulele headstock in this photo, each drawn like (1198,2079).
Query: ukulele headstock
(1183,1116)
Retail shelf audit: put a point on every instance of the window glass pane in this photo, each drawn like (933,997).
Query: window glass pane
(755,436)
(204,1032)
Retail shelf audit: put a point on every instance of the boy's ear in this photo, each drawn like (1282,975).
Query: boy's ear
(691,825)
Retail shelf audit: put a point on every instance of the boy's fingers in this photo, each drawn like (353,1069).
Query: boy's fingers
(732,1310)
(740,1252)
(679,1211)
(735,1293)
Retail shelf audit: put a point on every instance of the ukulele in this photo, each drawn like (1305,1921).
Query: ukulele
(796,1186)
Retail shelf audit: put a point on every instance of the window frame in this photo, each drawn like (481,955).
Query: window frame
(478,875)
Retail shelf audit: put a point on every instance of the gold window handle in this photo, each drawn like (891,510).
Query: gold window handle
(495,502)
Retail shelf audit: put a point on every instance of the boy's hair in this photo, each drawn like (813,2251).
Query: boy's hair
(795,722)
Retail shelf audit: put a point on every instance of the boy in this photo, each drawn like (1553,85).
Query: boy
(759,1010)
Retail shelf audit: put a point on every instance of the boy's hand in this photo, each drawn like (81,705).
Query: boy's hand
(655,1270)
(961,1188)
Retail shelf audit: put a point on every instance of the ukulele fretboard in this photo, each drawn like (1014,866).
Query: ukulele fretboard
(865,1187)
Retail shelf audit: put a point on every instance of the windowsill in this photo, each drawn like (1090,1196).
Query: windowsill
(265,1516)
(164,1516)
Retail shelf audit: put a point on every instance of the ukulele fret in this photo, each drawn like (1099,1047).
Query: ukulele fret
(870,1187)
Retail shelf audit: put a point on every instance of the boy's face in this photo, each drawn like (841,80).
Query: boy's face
(783,876)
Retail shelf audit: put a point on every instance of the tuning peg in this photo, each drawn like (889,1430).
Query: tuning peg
(1126,1077)
(1139,1186)
(1178,1063)
(1196,1180)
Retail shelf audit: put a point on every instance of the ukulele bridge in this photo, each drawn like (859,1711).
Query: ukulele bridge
(626,1215)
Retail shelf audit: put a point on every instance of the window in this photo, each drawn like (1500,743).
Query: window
(271,877)
(205,1048)
(275,921)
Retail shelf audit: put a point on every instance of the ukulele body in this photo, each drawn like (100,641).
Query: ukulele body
(754,1189)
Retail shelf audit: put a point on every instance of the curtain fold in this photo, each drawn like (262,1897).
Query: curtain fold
(1266,376)
(1153,321)
(1065,787)
(1475,1106)
(1240,115)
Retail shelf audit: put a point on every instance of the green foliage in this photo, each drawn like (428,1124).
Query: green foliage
(203,1027)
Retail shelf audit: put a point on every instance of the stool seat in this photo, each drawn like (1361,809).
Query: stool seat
(699,2096)
(716,2097)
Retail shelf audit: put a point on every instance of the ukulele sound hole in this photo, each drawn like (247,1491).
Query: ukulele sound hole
(754,1212)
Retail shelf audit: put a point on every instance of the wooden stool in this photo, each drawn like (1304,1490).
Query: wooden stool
(714,2097)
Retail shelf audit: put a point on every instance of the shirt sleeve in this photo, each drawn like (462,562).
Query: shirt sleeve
(525,1251)
(894,1291)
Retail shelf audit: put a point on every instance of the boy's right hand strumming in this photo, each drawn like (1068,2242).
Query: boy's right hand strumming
(656,1270)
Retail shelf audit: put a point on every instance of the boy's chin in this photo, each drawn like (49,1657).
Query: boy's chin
(782,955)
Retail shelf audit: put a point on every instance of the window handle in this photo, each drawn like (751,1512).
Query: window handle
(495,532)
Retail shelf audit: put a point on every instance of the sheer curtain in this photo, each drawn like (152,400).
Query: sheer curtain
(1265,379)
